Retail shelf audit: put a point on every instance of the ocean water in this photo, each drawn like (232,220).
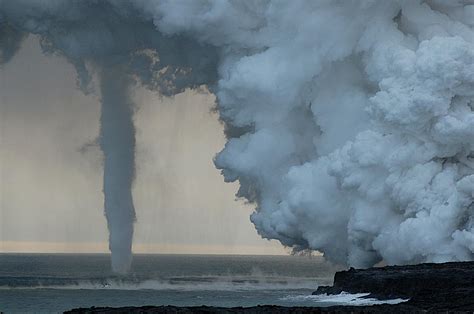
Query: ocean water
(59,282)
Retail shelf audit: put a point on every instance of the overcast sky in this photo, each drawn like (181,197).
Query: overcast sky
(51,172)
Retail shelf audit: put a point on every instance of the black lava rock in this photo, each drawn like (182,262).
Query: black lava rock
(446,286)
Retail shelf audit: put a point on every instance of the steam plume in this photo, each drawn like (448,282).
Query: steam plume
(117,141)
(350,123)
(118,44)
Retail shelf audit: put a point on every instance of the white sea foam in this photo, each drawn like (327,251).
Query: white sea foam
(343,298)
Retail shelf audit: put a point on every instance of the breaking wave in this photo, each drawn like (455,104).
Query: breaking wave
(343,298)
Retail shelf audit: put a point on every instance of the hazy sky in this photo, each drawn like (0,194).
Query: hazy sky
(51,172)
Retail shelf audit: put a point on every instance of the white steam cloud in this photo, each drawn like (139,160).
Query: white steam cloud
(350,123)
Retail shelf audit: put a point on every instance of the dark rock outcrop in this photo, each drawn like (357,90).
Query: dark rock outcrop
(260,309)
(427,286)
(430,288)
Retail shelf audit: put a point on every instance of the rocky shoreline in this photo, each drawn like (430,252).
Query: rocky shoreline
(447,287)
(428,287)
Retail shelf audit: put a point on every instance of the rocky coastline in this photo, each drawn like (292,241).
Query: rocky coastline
(429,288)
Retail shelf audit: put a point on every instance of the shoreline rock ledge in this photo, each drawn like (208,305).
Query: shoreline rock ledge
(429,288)
(444,286)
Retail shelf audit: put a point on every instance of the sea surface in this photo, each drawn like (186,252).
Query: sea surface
(59,282)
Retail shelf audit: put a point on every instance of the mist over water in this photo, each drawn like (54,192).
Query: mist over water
(349,123)
(63,281)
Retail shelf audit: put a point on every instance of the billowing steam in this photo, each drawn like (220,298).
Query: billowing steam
(350,123)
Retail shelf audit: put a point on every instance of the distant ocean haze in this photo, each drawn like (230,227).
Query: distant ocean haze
(57,282)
